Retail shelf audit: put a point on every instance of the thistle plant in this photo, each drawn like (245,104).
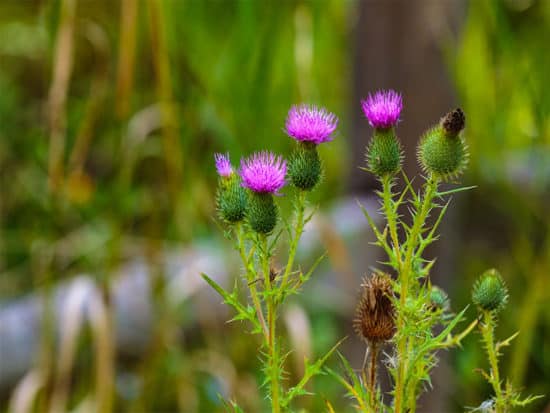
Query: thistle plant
(490,295)
(405,307)
(406,313)
(247,205)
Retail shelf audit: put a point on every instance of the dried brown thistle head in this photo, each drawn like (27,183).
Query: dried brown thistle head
(375,315)
(454,121)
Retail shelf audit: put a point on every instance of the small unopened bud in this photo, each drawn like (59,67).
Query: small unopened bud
(442,151)
(490,292)
(439,299)
(231,200)
(304,167)
(375,315)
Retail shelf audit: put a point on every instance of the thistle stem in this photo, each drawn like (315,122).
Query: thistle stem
(273,354)
(250,279)
(300,209)
(404,277)
(391,217)
(487,333)
(372,373)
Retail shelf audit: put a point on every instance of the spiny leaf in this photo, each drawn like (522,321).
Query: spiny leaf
(310,371)
(454,191)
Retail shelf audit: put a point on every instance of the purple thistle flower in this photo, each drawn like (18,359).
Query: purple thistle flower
(383,108)
(263,172)
(308,123)
(223,165)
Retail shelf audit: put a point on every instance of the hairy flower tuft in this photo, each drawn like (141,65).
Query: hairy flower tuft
(223,165)
(308,123)
(383,108)
(374,316)
(263,172)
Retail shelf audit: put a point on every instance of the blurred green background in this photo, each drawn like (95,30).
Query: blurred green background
(110,112)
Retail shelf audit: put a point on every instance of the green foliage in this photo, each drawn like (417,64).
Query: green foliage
(419,307)
(505,399)
(305,167)
(499,67)
(384,153)
(268,289)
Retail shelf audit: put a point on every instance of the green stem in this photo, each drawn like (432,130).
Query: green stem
(300,209)
(391,217)
(250,279)
(404,277)
(273,354)
(487,332)
(372,374)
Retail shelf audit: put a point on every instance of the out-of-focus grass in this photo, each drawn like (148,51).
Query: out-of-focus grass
(107,142)
(501,72)
(110,113)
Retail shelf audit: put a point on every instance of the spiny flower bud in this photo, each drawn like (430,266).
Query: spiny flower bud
(439,299)
(231,196)
(262,213)
(384,153)
(490,292)
(375,315)
(305,167)
(231,200)
(442,151)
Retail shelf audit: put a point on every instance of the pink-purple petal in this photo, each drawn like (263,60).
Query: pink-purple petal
(308,123)
(263,172)
(383,108)
(223,164)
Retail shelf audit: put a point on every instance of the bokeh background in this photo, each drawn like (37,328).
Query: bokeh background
(110,112)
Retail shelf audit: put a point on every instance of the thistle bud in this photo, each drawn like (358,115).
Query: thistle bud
(231,200)
(304,167)
(384,153)
(262,213)
(442,151)
(490,292)
(439,299)
(375,315)
(231,196)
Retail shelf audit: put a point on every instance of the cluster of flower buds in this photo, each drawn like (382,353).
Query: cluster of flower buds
(249,194)
(442,151)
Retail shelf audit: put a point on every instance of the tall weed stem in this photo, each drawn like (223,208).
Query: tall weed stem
(406,270)
(488,333)
(300,222)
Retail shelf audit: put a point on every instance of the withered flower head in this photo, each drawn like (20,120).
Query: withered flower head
(374,316)
(454,121)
